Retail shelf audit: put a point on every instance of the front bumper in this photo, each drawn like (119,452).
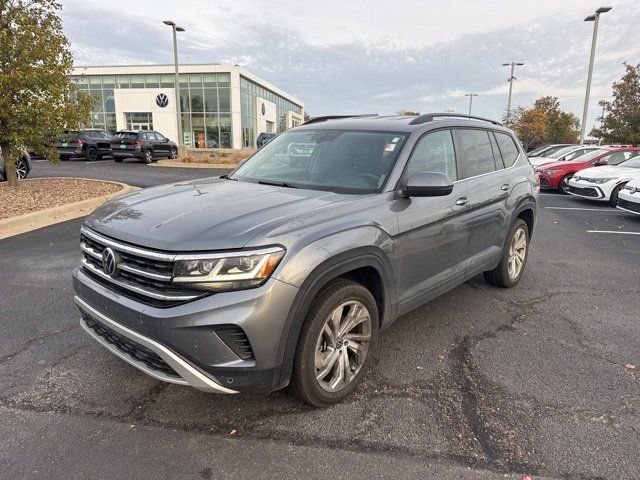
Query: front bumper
(589,191)
(188,337)
(548,182)
(629,202)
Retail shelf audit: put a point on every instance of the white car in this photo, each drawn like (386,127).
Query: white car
(604,183)
(629,197)
(564,154)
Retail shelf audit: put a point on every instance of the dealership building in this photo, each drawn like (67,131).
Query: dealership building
(222,106)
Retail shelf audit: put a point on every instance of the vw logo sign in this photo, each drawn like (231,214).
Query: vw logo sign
(109,262)
(263,109)
(162,100)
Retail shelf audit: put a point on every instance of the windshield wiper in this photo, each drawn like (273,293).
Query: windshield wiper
(277,184)
(227,177)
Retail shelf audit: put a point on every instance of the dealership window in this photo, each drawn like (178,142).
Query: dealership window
(139,120)
(167,81)
(123,81)
(152,81)
(137,81)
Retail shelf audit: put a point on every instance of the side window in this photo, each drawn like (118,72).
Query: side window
(508,148)
(159,137)
(434,152)
(576,154)
(496,152)
(617,158)
(477,156)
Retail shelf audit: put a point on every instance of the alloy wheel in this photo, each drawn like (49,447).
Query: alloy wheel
(517,253)
(342,346)
(21,169)
(148,155)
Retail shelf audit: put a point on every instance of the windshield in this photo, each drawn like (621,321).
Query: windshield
(561,152)
(589,155)
(633,163)
(349,161)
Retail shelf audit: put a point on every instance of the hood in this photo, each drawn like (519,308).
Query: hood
(575,166)
(208,214)
(537,161)
(610,171)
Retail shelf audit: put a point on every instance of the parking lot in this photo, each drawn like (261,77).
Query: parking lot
(535,380)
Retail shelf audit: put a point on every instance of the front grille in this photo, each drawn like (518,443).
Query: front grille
(585,192)
(627,205)
(131,348)
(236,340)
(144,275)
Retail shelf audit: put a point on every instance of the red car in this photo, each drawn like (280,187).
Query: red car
(556,175)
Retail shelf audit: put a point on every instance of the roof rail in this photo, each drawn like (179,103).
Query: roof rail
(430,117)
(337,117)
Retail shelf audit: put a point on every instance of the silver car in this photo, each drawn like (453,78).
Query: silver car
(23,166)
(286,270)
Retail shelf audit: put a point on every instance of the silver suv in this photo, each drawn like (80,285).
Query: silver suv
(285,271)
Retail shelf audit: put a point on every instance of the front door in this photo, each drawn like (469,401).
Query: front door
(433,232)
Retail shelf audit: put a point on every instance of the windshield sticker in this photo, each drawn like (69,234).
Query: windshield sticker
(389,147)
(395,140)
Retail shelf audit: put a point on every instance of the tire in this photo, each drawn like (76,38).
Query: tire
(613,199)
(148,156)
(22,169)
(173,153)
(117,159)
(563,184)
(503,275)
(315,351)
(91,154)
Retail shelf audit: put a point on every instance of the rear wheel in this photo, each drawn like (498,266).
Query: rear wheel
(148,156)
(563,184)
(91,154)
(117,159)
(514,258)
(22,169)
(336,344)
(613,199)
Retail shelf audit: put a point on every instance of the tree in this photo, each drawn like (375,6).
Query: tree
(37,100)
(563,127)
(409,113)
(621,121)
(531,126)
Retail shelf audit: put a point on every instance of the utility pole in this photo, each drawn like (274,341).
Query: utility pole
(470,95)
(595,18)
(175,29)
(511,79)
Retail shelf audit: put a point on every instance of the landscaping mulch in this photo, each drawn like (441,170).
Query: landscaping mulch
(42,193)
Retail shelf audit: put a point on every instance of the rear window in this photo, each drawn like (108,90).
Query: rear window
(126,135)
(507,148)
(477,153)
(67,136)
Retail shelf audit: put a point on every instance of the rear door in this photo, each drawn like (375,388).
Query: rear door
(488,189)
(433,232)
(162,144)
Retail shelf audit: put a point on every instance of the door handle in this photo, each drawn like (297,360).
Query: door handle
(462,201)
(505,187)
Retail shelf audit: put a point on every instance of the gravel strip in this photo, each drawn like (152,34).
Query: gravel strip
(39,194)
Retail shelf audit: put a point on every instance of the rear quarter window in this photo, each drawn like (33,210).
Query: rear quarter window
(507,148)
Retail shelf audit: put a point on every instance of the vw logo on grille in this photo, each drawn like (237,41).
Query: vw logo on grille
(633,189)
(109,262)
(162,100)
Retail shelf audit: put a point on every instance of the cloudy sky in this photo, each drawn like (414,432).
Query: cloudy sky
(358,56)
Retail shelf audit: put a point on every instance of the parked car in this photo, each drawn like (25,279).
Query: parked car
(91,144)
(23,166)
(629,197)
(145,145)
(564,154)
(265,138)
(604,183)
(281,273)
(547,150)
(556,175)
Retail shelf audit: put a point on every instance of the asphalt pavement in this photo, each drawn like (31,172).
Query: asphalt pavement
(480,383)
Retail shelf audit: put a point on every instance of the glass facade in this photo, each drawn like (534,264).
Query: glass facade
(249,93)
(100,87)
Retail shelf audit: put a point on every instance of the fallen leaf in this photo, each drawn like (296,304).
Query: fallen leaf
(440,357)
(526,477)
(630,366)
(233,432)
(418,368)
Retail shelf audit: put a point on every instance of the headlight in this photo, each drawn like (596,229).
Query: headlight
(602,180)
(231,271)
(548,172)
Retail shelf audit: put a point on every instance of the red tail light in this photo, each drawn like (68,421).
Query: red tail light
(137,144)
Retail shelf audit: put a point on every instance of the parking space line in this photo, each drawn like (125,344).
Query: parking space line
(585,209)
(613,231)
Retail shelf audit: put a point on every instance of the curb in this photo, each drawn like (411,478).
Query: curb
(179,164)
(50,216)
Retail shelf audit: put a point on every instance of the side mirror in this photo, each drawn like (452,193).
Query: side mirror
(427,184)
(601,162)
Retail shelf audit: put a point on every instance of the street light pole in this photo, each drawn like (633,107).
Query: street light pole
(511,79)
(176,29)
(470,95)
(595,18)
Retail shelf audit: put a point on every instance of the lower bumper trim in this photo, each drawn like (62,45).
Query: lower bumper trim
(188,374)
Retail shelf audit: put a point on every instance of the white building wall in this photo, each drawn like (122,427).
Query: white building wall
(236,114)
(131,100)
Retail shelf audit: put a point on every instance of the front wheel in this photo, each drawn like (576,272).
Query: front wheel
(22,169)
(613,199)
(336,344)
(563,184)
(92,154)
(514,258)
(148,156)
(173,154)
(117,159)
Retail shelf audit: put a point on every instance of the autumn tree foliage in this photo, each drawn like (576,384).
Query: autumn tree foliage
(37,101)
(621,121)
